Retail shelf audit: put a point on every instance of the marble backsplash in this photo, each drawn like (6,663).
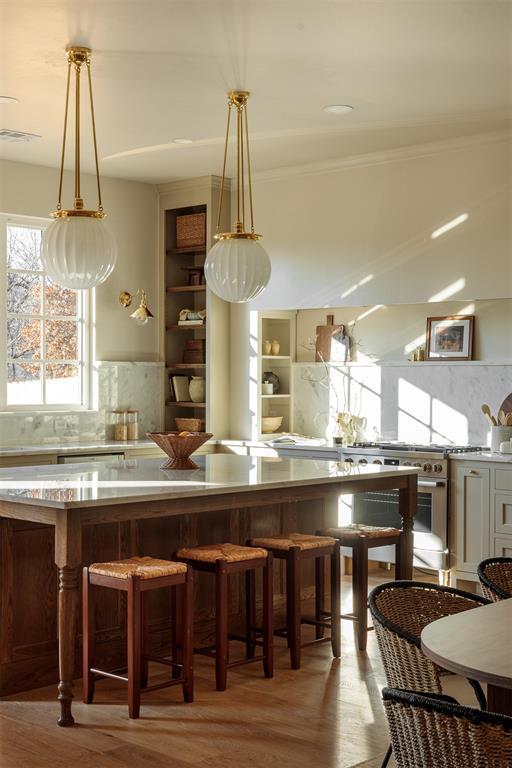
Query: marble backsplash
(115,385)
(420,402)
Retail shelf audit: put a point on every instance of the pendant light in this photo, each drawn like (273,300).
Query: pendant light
(78,249)
(237,268)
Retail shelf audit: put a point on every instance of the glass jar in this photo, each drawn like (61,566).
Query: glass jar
(132,419)
(120,424)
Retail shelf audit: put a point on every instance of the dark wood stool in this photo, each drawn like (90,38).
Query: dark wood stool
(293,548)
(361,538)
(136,576)
(223,560)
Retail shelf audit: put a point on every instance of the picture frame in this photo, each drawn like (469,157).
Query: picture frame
(450,337)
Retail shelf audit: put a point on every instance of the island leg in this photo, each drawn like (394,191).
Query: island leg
(67,558)
(408,500)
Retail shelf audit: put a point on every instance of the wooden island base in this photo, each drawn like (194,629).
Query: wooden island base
(29,576)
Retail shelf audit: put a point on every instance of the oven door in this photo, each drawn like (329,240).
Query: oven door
(430,522)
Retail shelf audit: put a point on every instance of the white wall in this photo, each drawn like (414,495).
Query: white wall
(364,228)
(132,209)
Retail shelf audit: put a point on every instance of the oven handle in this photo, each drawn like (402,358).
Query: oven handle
(431,483)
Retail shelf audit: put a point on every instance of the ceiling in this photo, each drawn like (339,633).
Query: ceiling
(415,70)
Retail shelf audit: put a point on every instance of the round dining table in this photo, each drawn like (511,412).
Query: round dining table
(476,644)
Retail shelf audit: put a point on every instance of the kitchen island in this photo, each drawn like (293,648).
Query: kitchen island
(74,515)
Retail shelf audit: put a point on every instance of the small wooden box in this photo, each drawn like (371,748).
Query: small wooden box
(191,230)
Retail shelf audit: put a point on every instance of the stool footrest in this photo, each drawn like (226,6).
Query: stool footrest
(162,660)
(159,686)
(103,673)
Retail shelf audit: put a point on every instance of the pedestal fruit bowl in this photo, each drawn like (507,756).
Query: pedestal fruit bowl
(179,446)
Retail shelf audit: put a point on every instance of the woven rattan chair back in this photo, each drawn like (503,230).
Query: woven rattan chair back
(495,576)
(433,731)
(400,611)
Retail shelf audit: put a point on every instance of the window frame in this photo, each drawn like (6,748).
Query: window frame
(84,320)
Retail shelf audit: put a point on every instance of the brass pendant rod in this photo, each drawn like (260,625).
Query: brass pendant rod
(64,133)
(242,170)
(93,121)
(238,160)
(249,179)
(77,134)
(224,167)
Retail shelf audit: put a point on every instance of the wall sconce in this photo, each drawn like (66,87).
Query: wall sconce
(142,314)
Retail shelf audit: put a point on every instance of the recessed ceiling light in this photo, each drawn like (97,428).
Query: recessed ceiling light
(8,100)
(182,141)
(338,109)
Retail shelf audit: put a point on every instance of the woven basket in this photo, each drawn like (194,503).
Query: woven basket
(191,230)
(189,425)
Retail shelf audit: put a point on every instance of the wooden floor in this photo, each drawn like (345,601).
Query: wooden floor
(326,715)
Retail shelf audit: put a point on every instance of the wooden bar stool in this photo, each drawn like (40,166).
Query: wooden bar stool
(293,548)
(136,576)
(223,560)
(361,538)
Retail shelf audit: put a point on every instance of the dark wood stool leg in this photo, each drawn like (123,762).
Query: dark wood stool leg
(293,604)
(187,636)
(221,625)
(319,594)
(268,617)
(360,586)
(88,638)
(250,613)
(176,630)
(133,647)
(336,602)
(143,640)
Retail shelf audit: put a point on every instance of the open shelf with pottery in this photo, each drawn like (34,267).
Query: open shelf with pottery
(276,346)
(198,353)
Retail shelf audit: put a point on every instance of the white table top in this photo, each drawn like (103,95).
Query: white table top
(100,484)
(475,644)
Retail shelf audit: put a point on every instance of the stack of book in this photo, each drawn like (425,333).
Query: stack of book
(179,389)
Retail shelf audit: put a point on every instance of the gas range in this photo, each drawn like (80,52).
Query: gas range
(430,459)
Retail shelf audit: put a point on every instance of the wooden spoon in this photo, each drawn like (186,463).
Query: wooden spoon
(509,420)
(502,418)
(488,415)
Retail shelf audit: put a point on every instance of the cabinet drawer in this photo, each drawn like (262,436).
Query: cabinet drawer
(503,513)
(503,479)
(503,546)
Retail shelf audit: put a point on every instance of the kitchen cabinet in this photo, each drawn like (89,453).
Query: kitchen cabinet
(472,517)
(481,504)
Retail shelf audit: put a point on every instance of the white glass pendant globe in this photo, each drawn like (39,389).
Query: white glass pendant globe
(78,252)
(237,269)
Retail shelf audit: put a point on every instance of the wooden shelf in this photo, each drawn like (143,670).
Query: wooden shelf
(270,397)
(200,249)
(275,357)
(186,288)
(179,366)
(186,404)
(197,327)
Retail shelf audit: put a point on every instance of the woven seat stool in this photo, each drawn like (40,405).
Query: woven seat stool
(136,576)
(495,576)
(222,560)
(294,548)
(361,538)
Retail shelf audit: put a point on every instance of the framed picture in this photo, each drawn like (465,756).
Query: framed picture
(450,338)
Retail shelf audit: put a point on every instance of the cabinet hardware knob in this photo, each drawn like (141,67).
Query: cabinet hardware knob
(473,472)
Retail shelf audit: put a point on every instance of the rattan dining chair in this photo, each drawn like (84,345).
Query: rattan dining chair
(400,610)
(495,576)
(431,729)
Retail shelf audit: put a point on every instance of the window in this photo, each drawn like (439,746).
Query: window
(43,328)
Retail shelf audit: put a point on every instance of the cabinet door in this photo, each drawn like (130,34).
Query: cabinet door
(503,513)
(473,516)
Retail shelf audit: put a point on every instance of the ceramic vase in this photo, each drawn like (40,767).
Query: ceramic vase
(275,347)
(197,389)
(266,347)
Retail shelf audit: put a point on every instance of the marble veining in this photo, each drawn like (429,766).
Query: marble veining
(82,485)
(124,384)
(423,403)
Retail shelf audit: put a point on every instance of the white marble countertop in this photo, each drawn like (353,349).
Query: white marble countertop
(101,484)
(500,458)
(75,446)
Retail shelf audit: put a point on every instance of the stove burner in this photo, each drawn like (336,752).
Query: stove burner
(418,448)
